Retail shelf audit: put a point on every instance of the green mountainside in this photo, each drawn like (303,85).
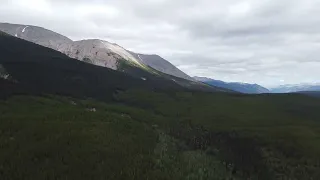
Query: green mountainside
(65,119)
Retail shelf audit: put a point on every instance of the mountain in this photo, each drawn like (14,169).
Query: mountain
(48,70)
(235,86)
(97,52)
(41,69)
(296,88)
(94,51)
(162,65)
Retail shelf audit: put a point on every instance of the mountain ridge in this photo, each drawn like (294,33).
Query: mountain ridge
(235,86)
(289,88)
(95,51)
(30,54)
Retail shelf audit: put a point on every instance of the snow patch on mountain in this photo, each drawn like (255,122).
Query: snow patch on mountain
(24,29)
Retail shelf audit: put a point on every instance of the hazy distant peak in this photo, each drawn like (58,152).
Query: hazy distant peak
(288,88)
(235,86)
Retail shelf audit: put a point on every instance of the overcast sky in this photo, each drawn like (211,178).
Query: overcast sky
(269,42)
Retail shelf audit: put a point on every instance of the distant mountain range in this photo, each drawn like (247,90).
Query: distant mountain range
(296,88)
(235,86)
(258,89)
(94,51)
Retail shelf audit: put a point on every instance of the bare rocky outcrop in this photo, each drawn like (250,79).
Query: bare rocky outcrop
(162,65)
(93,51)
(37,35)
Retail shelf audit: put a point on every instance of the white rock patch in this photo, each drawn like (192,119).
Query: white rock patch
(24,29)
(121,52)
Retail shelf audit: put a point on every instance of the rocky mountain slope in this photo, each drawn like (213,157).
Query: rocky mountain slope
(235,86)
(37,35)
(161,65)
(26,61)
(38,68)
(101,53)
(94,51)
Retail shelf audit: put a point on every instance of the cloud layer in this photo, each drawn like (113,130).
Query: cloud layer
(269,42)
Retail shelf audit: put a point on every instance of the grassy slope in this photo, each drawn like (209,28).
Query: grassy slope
(3,33)
(144,129)
(153,75)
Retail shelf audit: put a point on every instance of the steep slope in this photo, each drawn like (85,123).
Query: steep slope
(296,88)
(106,54)
(94,51)
(38,35)
(43,69)
(239,87)
(161,65)
(97,52)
